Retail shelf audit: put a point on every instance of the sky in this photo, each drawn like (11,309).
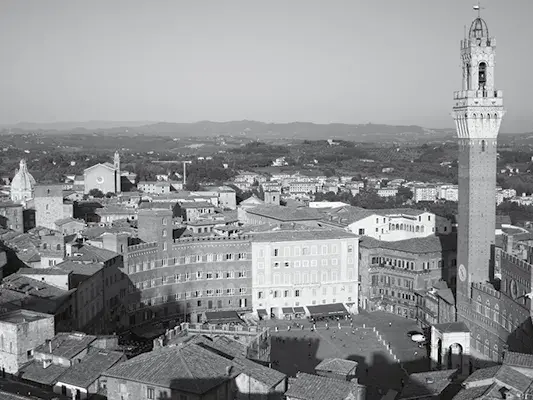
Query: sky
(346,61)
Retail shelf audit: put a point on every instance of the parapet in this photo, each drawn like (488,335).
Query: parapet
(241,238)
(487,289)
(143,246)
(484,94)
(518,262)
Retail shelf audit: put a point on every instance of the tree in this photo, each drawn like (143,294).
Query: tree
(97,193)
(110,194)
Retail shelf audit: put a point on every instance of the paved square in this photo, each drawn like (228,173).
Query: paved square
(301,350)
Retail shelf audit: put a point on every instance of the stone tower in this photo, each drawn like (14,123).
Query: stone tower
(478,111)
(116,164)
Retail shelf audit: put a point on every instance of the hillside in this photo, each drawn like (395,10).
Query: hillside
(247,129)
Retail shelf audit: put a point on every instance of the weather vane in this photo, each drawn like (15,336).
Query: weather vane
(478,8)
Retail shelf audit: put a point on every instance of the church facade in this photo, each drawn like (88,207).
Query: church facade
(105,177)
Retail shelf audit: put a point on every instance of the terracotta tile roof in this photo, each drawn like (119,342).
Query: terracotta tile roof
(34,287)
(268,376)
(429,244)
(86,252)
(79,268)
(337,366)
(196,204)
(424,384)
(189,368)
(296,232)
(64,221)
(473,393)
(514,359)
(41,271)
(96,362)
(482,374)
(314,387)
(67,345)
(286,214)
(35,372)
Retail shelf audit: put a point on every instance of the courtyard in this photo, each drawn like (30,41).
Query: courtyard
(300,349)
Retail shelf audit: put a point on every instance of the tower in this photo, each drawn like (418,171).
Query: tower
(478,111)
(116,164)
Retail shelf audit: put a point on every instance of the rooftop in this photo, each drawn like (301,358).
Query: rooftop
(41,271)
(90,368)
(314,387)
(23,316)
(521,360)
(452,327)
(67,345)
(293,232)
(196,204)
(428,244)
(86,252)
(35,372)
(29,286)
(268,376)
(77,268)
(286,214)
(337,366)
(189,368)
(427,384)
(64,221)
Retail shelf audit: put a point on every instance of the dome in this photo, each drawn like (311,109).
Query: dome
(22,183)
(478,29)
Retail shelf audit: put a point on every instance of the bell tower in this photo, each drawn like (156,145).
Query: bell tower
(477,112)
(116,164)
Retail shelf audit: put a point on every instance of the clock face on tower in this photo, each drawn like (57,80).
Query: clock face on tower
(462,273)
(514,289)
(100,179)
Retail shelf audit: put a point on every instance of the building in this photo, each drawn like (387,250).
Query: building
(180,372)
(387,192)
(495,312)
(392,274)
(21,332)
(49,206)
(294,266)
(12,216)
(387,225)
(69,225)
(435,305)
(449,192)
(22,185)
(183,278)
(337,368)
(154,187)
(429,385)
(264,214)
(104,177)
(425,193)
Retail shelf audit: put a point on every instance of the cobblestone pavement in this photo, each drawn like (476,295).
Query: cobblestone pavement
(301,350)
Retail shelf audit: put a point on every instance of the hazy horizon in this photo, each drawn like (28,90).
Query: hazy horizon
(343,61)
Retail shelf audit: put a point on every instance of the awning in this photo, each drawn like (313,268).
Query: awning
(327,310)
(222,317)
(261,312)
(287,310)
(299,310)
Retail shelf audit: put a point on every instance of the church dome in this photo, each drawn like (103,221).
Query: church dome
(22,184)
(478,29)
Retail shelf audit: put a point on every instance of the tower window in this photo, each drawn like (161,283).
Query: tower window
(483,145)
(482,75)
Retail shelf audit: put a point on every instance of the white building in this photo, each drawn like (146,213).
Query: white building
(388,225)
(449,192)
(425,193)
(387,192)
(300,266)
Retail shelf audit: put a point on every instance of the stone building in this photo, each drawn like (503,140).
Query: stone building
(22,185)
(49,206)
(392,273)
(183,278)
(21,332)
(12,216)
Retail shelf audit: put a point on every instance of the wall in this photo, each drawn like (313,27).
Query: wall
(11,217)
(70,390)
(17,340)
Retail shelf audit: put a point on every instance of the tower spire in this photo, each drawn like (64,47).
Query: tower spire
(478,8)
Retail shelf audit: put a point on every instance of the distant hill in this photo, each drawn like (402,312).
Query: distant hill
(248,129)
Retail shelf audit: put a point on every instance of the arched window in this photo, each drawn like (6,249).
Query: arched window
(164,233)
(467,76)
(44,246)
(58,247)
(483,145)
(482,75)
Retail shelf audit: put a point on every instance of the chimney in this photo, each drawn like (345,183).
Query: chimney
(49,343)
(228,370)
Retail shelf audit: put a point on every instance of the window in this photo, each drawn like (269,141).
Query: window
(164,233)
(276,264)
(150,393)
(361,231)
(276,252)
(287,264)
(482,145)
(259,295)
(285,293)
(297,293)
